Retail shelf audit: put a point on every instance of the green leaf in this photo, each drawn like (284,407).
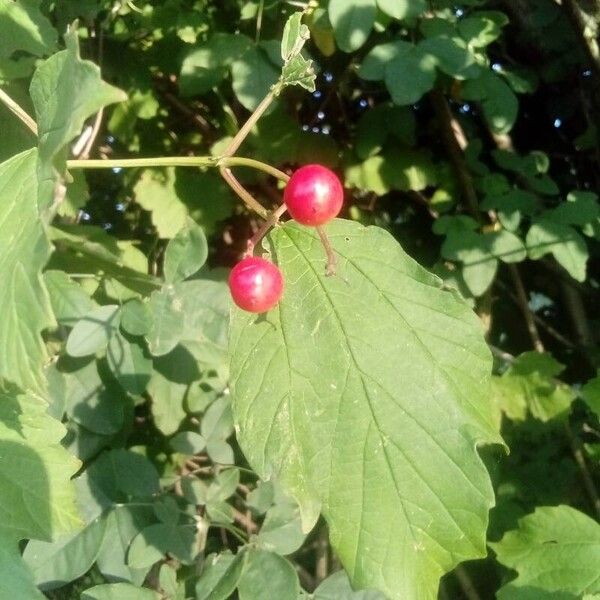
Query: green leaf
(294,36)
(252,76)
(402,9)
(591,394)
(168,386)
(123,523)
(129,364)
(136,317)
(450,54)
(69,300)
(410,75)
(299,71)
(529,385)
(188,442)
(217,422)
(480,30)
(220,576)
(36,496)
(120,474)
(507,246)
(563,242)
(375,63)
(220,452)
(555,549)
(92,333)
(352,21)
(24,28)
(91,250)
(581,208)
(65,91)
(186,253)
(499,103)
(338,398)
(24,298)
(156,192)
(119,591)
(379,124)
(191,311)
(92,399)
(474,251)
(268,575)
(205,67)
(281,531)
(153,542)
(337,587)
(55,564)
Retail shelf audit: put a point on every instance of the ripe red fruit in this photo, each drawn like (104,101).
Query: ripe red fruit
(256,284)
(313,195)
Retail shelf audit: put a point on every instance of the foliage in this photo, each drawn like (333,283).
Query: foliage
(422,423)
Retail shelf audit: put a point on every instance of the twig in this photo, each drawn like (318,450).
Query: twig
(245,521)
(18,111)
(331,266)
(245,129)
(322,561)
(454,137)
(241,191)
(85,153)
(539,321)
(465,583)
(583,469)
(581,327)
(534,334)
(264,228)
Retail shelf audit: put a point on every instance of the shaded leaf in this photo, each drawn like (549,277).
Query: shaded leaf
(36,497)
(92,333)
(186,253)
(55,564)
(252,76)
(555,549)
(24,297)
(268,575)
(220,576)
(563,242)
(352,22)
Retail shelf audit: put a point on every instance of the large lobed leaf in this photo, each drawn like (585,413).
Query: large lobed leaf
(23,296)
(65,91)
(36,499)
(366,395)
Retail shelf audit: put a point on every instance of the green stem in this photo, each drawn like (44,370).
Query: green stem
(238,161)
(243,193)
(178,161)
(241,135)
(264,228)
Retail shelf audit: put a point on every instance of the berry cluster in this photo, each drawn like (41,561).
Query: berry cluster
(313,196)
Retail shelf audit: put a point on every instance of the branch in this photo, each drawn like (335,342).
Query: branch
(243,193)
(455,141)
(523,303)
(18,111)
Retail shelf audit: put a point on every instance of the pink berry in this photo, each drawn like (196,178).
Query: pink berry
(313,195)
(256,284)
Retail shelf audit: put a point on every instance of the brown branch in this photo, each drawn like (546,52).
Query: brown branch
(586,476)
(455,140)
(527,313)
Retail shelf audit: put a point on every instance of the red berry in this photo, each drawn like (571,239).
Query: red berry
(313,195)
(256,284)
